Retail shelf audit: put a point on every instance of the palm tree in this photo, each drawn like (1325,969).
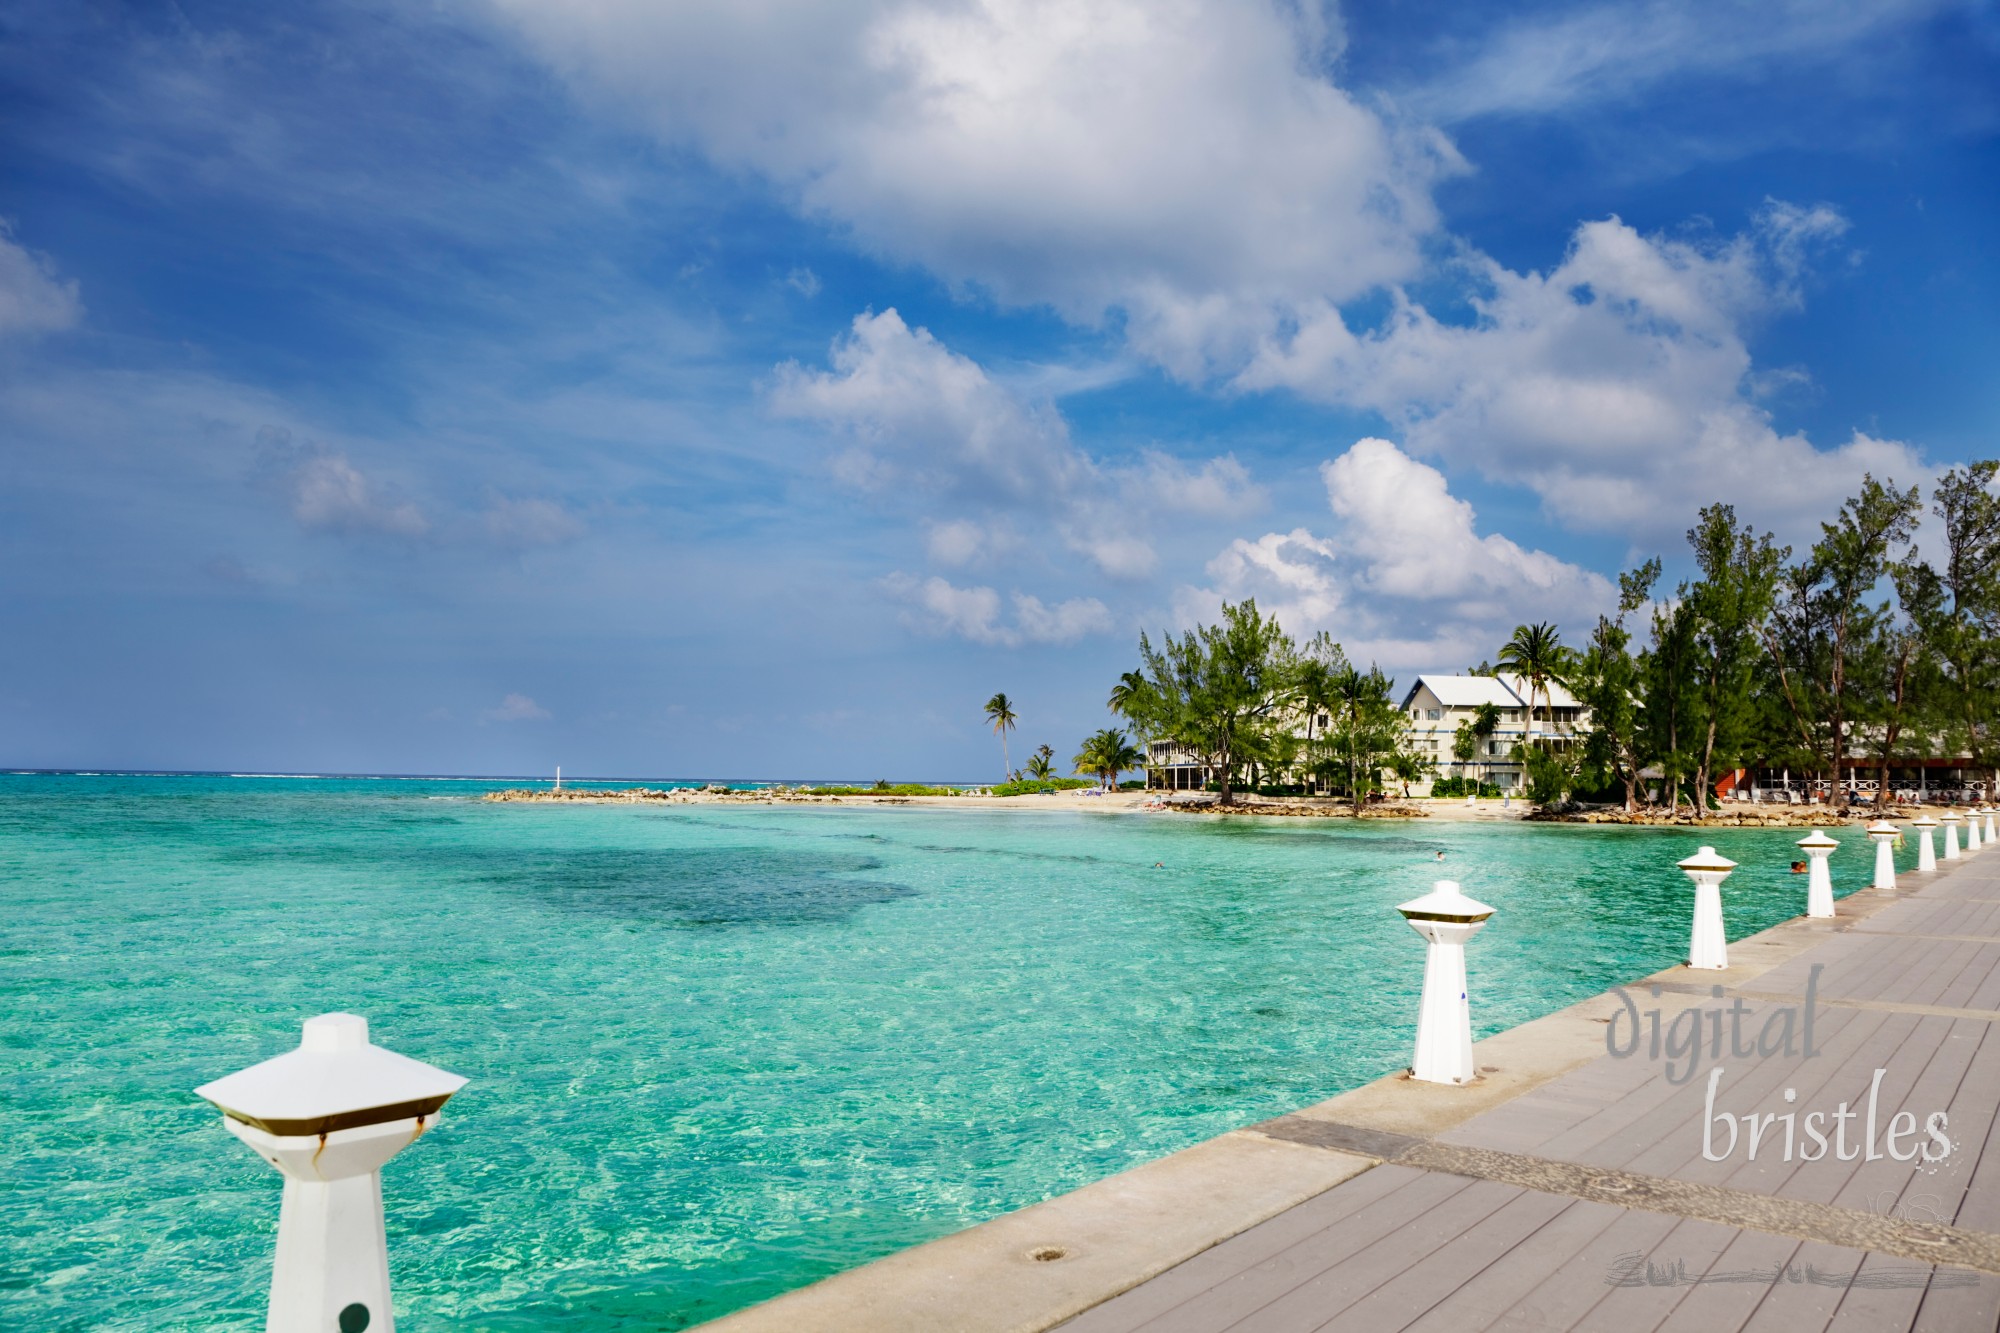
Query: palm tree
(1043,765)
(1535,654)
(1129,687)
(1106,754)
(1000,712)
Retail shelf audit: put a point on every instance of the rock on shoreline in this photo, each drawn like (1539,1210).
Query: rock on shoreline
(1305,810)
(662,796)
(1779,816)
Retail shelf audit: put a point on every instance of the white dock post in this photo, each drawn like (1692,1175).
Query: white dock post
(1883,834)
(1708,946)
(1447,919)
(1926,854)
(1952,819)
(1819,884)
(328,1115)
(1972,829)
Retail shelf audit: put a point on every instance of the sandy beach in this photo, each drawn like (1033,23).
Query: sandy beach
(1198,804)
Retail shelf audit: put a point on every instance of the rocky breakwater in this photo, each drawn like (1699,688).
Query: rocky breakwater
(1305,809)
(1770,816)
(714,792)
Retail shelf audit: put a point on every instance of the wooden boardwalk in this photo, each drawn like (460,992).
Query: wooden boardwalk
(1593,1201)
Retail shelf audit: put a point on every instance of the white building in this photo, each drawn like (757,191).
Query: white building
(1433,709)
(1436,706)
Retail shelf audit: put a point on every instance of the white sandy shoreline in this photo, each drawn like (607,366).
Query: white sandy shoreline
(1120,802)
(1199,805)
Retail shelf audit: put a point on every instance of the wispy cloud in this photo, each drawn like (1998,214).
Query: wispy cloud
(923,422)
(33,297)
(1592,54)
(976,613)
(516,708)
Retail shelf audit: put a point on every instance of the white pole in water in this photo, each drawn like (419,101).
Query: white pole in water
(1447,919)
(558,777)
(1708,946)
(1952,819)
(1819,884)
(1883,834)
(1926,854)
(328,1115)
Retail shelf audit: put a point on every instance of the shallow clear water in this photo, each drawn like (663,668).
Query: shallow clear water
(716,1052)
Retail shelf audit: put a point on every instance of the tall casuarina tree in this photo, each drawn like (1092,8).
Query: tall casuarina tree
(1825,620)
(1739,578)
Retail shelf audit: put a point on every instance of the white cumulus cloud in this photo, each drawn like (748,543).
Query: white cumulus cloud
(1184,162)
(326,492)
(1618,386)
(1404,577)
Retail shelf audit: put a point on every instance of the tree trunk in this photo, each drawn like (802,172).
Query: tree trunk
(1701,772)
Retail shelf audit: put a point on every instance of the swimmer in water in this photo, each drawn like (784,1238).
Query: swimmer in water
(1798,867)
(1440,858)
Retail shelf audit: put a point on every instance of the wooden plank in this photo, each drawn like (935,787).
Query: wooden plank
(1219,1303)
(1972,1190)
(1798,1307)
(1880,1186)
(1408,1296)
(1960,1307)
(1328,1271)
(1718,1305)
(1868,1309)
(1241,1252)
(1498,1298)
(1581,1285)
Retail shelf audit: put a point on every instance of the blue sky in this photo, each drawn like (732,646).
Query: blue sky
(753,389)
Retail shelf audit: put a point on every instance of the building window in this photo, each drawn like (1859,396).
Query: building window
(1434,713)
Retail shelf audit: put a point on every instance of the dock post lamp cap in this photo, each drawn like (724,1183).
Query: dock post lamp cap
(328,1116)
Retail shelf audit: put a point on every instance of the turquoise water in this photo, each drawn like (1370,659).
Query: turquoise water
(716,1052)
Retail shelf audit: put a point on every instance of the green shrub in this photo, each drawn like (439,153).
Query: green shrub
(1446,787)
(1040,786)
(885,789)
